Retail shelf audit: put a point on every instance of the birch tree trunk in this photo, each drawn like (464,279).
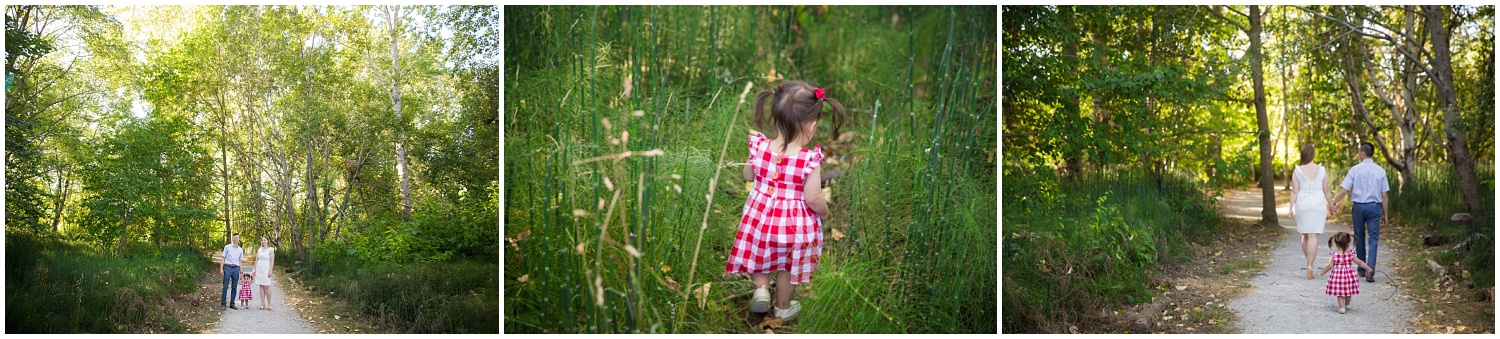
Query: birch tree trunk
(403,168)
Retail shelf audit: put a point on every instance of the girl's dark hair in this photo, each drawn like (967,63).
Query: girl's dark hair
(1307,153)
(1342,239)
(793,104)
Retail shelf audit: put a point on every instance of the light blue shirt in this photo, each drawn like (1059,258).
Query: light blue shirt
(233,254)
(1365,182)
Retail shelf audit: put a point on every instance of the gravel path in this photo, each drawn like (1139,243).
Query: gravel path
(280,319)
(1284,301)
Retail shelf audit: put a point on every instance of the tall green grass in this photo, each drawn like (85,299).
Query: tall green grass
(54,285)
(431,297)
(1077,244)
(1430,198)
(925,150)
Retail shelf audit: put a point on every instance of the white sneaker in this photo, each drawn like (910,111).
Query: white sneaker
(790,312)
(760,302)
(1342,310)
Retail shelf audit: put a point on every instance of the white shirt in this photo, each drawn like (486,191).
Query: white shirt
(233,254)
(1365,182)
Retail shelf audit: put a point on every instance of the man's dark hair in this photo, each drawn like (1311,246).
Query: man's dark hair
(236,234)
(1367,148)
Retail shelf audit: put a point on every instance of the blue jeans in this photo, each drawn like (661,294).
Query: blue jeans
(1367,233)
(231,279)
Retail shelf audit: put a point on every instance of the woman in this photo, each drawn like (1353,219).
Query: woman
(265,259)
(1310,198)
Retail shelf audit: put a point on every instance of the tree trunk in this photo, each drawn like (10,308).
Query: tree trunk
(1286,112)
(1402,159)
(403,168)
(1458,146)
(1355,88)
(312,197)
(64,185)
(1407,121)
(1072,103)
(1267,189)
(224,154)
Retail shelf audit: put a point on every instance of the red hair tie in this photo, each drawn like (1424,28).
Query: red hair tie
(818,92)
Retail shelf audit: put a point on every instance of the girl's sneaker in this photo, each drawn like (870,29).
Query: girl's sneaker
(760,302)
(1342,310)
(790,312)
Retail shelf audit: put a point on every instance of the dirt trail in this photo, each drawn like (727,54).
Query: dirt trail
(282,318)
(1283,300)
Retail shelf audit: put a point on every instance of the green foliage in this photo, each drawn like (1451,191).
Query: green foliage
(275,118)
(930,147)
(1101,90)
(145,183)
(1094,241)
(1151,107)
(441,233)
(434,297)
(24,193)
(1430,199)
(59,286)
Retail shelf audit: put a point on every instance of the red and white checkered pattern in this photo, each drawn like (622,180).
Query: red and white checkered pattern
(1341,281)
(778,232)
(245,289)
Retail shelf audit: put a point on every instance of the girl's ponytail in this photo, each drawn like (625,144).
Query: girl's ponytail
(840,117)
(761,114)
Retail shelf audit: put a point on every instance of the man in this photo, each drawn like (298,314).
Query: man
(1368,183)
(230,265)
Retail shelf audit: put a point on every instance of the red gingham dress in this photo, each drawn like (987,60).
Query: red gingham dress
(1341,281)
(778,231)
(244,289)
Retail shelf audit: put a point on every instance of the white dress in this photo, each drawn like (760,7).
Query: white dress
(1312,207)
(263,266)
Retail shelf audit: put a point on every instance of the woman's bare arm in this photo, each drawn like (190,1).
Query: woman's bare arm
(812,192)
(1327,193)
(1291,209)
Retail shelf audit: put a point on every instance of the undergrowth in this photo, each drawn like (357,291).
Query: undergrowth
(1077,244)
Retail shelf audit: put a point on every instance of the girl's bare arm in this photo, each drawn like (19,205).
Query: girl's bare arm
(812,191)
(1362,264)
(1327,268)
(749,175)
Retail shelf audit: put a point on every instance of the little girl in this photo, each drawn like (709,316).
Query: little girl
(781,224)
(245,290)
(1342,284)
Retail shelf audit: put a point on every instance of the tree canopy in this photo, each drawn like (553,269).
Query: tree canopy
(181,125)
